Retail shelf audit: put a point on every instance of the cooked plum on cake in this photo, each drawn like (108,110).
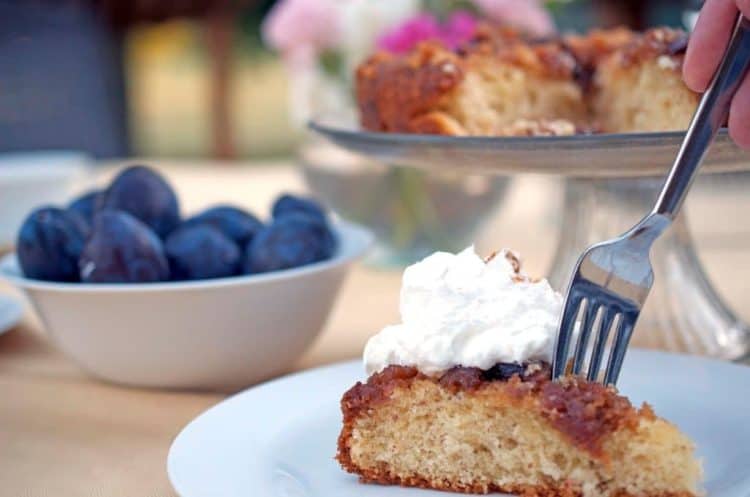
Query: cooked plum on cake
(459,398)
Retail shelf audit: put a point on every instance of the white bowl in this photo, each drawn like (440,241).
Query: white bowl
(31,179)
(220,334)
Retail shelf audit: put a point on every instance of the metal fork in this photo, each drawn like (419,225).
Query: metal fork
(612,279)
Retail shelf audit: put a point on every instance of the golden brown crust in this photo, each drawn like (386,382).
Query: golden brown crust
(597,44)
(564,490)
(581,411)
(404,93)
(419,92)
(377,389)
(653,43)
(368,476)
(586,413)
(547,57)
(393,92)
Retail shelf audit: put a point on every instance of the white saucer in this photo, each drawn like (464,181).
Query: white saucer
(279,438)
(11,312)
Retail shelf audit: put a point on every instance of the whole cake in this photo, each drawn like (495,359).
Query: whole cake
(459,398)
(503,84)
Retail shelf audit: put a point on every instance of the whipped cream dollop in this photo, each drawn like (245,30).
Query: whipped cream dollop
(460,310)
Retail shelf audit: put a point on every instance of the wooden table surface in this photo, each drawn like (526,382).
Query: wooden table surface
(64,434)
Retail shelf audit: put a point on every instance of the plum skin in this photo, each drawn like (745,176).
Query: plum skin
(146,195)
(121,249)
(293,240)
(131,233)
(235,223)
(86,205)
(201,252)
(290,204)
(49,244)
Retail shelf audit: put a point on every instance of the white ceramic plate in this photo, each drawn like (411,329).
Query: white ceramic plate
(279,439)
(11,311)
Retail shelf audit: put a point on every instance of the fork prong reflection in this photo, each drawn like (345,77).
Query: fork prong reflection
(587,326)
(619,347)
(597,353)
(567,323)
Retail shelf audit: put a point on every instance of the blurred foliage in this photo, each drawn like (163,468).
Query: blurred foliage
(332,62)
(249,23)
(168,73)
(446,6)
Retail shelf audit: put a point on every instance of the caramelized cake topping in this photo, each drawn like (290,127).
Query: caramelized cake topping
(503,84)
(653,44)
(377,389)
(392,90)
(585,412)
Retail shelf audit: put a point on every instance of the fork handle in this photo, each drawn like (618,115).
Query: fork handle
(712,113)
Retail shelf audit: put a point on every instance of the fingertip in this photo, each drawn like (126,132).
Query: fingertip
(708,42)
(693,73)
(740,134)
(739,115)
(744,7)
(693,79)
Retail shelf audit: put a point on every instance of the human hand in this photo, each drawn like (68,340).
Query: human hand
(705,50)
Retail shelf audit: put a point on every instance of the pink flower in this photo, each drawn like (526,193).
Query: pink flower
(423,27)
(408,34)
(302,26)
(529,15)
(459,28)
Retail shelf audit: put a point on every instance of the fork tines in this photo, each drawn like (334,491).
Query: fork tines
(590,310)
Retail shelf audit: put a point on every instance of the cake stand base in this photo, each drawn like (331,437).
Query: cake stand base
(683,311)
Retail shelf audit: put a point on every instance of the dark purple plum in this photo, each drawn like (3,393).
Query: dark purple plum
(201,252)
(145,194)
(293,204)
(292,240)
(86,204)
(237,224)
(49,244)
(504,371)
(121,249)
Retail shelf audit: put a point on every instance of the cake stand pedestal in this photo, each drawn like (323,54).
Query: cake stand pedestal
(683,312)
(611,182)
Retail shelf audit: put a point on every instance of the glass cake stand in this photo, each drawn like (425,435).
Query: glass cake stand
(611,182)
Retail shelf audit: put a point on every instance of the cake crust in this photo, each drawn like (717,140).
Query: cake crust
(398,93)
(653,43)
(586,415)
(584,412)
(423,91)
(504,84)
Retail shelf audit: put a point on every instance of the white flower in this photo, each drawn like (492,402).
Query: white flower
(299,25)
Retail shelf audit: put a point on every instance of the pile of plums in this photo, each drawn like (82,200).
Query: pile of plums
(131,232)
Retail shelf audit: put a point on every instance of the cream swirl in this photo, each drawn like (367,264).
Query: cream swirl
(460,310)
